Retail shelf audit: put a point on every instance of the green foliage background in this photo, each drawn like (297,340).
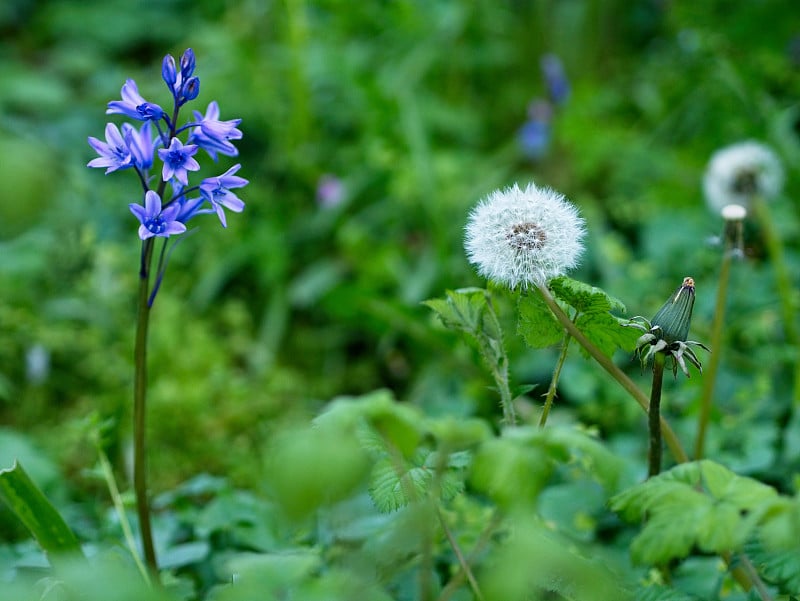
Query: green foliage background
(415,106)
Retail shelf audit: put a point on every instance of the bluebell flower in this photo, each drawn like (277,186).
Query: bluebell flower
(133,105)
(213,135)
(330,191)
(140,144)
(114,152)
(154,221)
(217,190)
(178,161)
(534,135)
(555,77)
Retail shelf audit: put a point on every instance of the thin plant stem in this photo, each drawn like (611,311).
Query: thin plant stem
(139,403)
(455,582)
(654,417)
(119,507)
(615,372)
(551,391)
(462,560)
(716,343)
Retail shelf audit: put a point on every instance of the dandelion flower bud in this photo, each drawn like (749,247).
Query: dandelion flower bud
(737,173)
(524,237)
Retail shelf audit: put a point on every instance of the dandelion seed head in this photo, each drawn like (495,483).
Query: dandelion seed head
(524,237)
(737,173)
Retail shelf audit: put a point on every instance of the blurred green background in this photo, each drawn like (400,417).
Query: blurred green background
(370,130)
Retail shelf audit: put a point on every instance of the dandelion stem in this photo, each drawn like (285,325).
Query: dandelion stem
(654,416)
(139,397)
(716,343)
(615,372)
(551,392)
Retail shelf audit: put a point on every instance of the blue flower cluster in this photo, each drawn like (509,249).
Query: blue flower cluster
(135,148)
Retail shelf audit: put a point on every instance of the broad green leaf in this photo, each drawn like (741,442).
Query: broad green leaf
(537,325)
(583,297)
(780,567)
(606,332)
(511,472)
(663,593)
(454,434)
(33,509)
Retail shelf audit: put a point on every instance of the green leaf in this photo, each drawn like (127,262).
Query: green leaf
(701,504)
(607,333)
(462,309)
(780,567)
(537,325)
(393,486)
(33,509)
(583,297)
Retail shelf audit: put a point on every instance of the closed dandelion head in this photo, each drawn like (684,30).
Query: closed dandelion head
(667,331)
(524,237)
(737,173)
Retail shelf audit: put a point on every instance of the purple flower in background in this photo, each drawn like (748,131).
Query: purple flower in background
(217,190)
(133,105)
(330,191)
(213,135)
(534,135)
(555,78)
(114,152)
(156,222)
(178,161)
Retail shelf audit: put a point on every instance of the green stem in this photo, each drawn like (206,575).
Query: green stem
(615,372)
(139,397)
(462,560)
(654,417)
(716,344)
(551,392)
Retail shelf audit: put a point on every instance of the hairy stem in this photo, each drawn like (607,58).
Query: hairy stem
(716,344)
(499,369)
(615,372)
(551,391)
(654,417)
(139,398)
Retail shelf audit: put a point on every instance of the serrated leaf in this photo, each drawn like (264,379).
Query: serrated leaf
(606,332)
(663,593)
(393,487)
(780,567)
(537,325)
(461,309)
(583,297)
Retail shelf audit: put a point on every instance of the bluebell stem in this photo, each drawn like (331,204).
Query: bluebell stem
(164,215)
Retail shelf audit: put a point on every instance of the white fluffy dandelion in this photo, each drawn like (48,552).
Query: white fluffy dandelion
(524,237)
(737,173)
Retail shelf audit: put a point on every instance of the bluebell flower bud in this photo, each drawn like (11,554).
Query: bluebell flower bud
(169,72)
(187,64)
(189,90)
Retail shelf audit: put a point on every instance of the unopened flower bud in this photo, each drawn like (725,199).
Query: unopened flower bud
(169,72)
(675,316)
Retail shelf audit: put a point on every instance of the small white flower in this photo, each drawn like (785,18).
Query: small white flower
(524,237)
(737,173)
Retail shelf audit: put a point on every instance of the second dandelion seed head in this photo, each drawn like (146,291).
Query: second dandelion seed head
(523,237)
